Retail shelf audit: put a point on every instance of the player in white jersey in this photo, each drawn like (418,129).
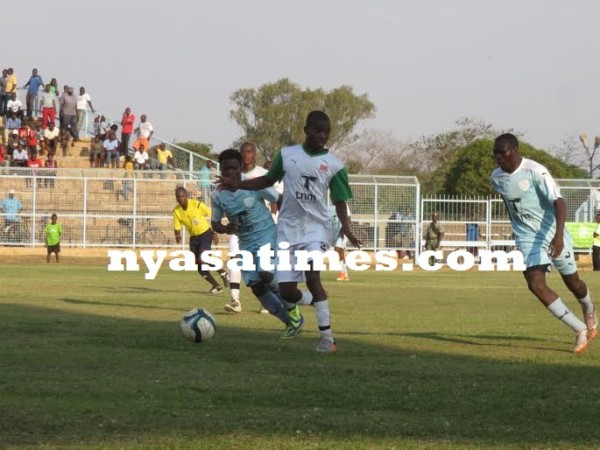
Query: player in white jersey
(250,219)
(308,172)
(249,170)
(537,214)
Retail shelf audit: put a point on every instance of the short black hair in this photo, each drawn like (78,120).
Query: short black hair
(230,153)
(248,144)
(316,117)
(506,140)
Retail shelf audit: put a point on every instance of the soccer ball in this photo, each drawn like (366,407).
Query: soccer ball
(198,325)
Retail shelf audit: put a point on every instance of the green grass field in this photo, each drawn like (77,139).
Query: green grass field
(96,359)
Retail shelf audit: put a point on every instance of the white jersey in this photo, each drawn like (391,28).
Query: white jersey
(304,215)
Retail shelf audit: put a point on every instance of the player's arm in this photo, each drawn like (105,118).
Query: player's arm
(216,220)
(557,243)
(177,227)
(546,188)
(340,192)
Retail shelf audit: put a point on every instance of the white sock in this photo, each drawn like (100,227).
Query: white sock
(306,299)
(235,276)
(344,268)
(586,303)
(323,317)
(561,312)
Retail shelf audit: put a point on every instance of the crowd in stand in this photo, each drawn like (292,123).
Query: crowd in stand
(62,118)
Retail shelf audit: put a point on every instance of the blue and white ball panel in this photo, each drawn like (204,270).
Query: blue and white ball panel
(198,325)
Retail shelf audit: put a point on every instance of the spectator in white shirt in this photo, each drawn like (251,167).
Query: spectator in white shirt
(15,105)
(140,158)
(83,100)
(144,133)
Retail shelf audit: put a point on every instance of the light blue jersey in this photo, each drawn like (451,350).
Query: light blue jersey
(529,194)
(247,209)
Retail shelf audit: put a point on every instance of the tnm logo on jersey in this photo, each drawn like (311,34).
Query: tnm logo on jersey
(306,196)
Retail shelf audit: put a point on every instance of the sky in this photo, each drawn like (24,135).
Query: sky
(530,65)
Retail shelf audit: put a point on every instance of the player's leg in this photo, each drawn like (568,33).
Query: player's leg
(536,281)
(48,255)
(198,244)
(57,253)
(340,247)
(235,276)
(567,267)
(326,342)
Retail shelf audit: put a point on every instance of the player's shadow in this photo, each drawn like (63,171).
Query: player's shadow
(78,301)
(127,289)
(115,379)
(476,340)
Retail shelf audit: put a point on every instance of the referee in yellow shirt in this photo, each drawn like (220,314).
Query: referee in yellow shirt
(195,216)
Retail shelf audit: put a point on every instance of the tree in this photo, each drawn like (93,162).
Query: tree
(273,115)
(182,160)
(377,152)
(432,156)
(469,174)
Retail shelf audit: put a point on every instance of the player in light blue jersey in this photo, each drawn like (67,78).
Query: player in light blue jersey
(537,214)
(251,221)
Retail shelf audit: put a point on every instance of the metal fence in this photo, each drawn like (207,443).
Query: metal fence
(483,222)
(103,208)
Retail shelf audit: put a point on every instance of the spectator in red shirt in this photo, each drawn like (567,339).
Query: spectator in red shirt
(34,163)
(4,161)
(127,123)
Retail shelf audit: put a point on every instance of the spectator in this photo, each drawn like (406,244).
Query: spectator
(144,133)
(164,157)
(34,163)
(13,123)
(19,156)
(49,103)
(63,137)
(83,100)
(3,156)
(33,87)
(30,135)
(3,95)
(50,174)
(53,231)
(54,87)
(111,150)
(51,136)
(11,82)
(96,159)
(15,105)
(12,207)
(100,127)
(127,122)
(68,113)
(434,235)
(140,158)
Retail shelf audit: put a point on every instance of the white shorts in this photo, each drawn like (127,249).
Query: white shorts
(297,276)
